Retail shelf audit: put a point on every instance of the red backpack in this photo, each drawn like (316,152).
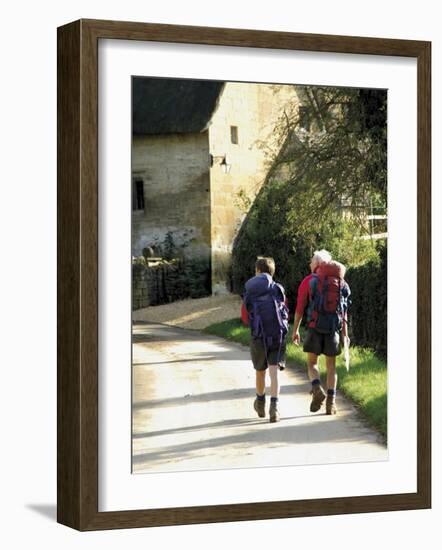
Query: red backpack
(329,298)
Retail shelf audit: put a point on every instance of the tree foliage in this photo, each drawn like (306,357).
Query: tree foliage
(330,167)
(333,152)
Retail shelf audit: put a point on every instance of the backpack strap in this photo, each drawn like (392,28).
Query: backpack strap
(312,287)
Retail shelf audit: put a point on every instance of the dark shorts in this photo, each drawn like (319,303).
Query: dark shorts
(317,343)
(261,360)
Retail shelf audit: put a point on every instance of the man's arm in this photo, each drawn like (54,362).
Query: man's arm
(296,336)
(344,326)
(301,304)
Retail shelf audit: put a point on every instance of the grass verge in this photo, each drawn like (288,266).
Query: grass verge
(365,384)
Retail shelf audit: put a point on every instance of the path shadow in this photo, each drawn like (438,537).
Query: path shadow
(155,363)
(145,338)
(145,333)
(242,393)
(209,355)
(218,348)
(283,435)
(197,427)
(234,422)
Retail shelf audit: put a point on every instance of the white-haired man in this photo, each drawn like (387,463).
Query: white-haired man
(325,295)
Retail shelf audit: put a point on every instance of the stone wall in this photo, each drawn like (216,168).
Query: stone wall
(164,282)
(196,203)
(140,287)
(254,109)
(175,173)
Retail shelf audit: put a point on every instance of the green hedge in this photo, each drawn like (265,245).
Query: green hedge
(265,233)
(368,312)
(272,228)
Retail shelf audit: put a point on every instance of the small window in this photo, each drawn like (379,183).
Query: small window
(234,134)
(304,117)
(138,195)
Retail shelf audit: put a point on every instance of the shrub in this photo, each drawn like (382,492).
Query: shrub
(275,227)
(264,233)
(368,313)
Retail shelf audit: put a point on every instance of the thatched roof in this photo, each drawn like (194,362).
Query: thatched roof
(172,106)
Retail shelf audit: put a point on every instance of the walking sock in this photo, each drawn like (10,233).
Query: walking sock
(274,400)
(331,393)
(261,397)
(316,382)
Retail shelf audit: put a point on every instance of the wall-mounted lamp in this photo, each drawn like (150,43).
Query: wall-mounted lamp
(222,162)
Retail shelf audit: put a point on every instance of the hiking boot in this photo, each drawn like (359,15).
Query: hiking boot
(260,407)
(274,413)
(330,405)
(318,396)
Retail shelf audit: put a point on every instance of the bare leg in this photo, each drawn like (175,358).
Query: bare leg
(318,394)
(312,364)
(260,382)
(274,380)
(332,377)
(259,403)
(274,393)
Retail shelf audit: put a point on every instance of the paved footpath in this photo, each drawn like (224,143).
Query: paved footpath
(193,410)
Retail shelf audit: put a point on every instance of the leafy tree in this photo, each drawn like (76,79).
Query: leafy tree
(333,152)
(331,166)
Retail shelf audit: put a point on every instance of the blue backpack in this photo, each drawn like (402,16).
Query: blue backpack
(268,314)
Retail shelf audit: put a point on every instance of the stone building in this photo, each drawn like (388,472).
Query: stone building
(198,146)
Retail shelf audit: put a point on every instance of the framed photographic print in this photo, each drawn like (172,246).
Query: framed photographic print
(243,275)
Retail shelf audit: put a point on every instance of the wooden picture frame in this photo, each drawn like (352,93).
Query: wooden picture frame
(77,463)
